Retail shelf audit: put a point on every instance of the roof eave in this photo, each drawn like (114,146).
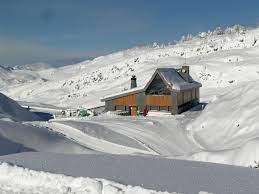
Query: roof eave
(196,85)
(121,95)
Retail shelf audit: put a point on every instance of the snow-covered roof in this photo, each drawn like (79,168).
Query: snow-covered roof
(123,93)
(170,76)
(175,80)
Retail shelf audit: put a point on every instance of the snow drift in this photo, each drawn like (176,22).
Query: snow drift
(15,179)
(228,129)
(12,110)
(156,173)
(17,137)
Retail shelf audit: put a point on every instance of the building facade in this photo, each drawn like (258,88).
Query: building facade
(169,89)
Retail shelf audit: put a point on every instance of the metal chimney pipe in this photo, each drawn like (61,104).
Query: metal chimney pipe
(133,83)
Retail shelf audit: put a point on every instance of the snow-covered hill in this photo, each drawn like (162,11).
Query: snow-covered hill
(16,137)
(217,59)
(32,67)
(9,109)
(225,62)
(227,130)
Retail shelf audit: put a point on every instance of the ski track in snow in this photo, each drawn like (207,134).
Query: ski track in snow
(90,141)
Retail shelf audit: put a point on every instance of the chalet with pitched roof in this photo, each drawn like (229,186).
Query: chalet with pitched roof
(169,89)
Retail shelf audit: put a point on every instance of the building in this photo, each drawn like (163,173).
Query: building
(169,89)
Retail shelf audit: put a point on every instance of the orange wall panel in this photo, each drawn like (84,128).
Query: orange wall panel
(129,100)
(159,100)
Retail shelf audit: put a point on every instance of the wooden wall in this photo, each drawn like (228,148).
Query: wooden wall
(152,100)
(180,98)
(187,96)
(129,100)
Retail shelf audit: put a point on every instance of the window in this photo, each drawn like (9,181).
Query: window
(158,87)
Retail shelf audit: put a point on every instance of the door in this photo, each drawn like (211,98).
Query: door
(133,111)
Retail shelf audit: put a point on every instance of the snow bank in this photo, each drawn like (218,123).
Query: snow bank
(228,129)
(15,179)
(154,173)
(12,110)
(17,137)
(102,132)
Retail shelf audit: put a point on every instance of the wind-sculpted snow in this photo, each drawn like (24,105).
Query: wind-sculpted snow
(9,147)
(17,137)
(228,129)
(102,132)
(12,110)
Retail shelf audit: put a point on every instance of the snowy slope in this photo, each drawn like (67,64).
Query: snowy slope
(12,110)
(225,62)
(42,182)
(228,129)
(215,59)
(154,173)
(17,137)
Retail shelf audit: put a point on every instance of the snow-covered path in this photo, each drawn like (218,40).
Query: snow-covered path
(90,141)
(163,135)
(126,135)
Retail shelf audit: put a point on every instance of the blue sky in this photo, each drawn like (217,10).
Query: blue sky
(61,30)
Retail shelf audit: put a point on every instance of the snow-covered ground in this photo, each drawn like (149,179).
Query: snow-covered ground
(226,63)
(11,110)
(17,137)
(155,173)
(15,179)
(226,131)
(215,60)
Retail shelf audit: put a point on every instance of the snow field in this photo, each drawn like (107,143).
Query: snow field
(17,137)
(225,62)
(14,180)
(229,126)
(215,59)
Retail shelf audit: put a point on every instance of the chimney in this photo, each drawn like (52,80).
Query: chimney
(133,83)
(184,72)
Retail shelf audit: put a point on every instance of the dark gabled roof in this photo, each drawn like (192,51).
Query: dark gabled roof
(174,80)
(171,78)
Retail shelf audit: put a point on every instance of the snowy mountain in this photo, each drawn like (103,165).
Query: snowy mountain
(32,67)
(217,59)
(224,61)
(224,129)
